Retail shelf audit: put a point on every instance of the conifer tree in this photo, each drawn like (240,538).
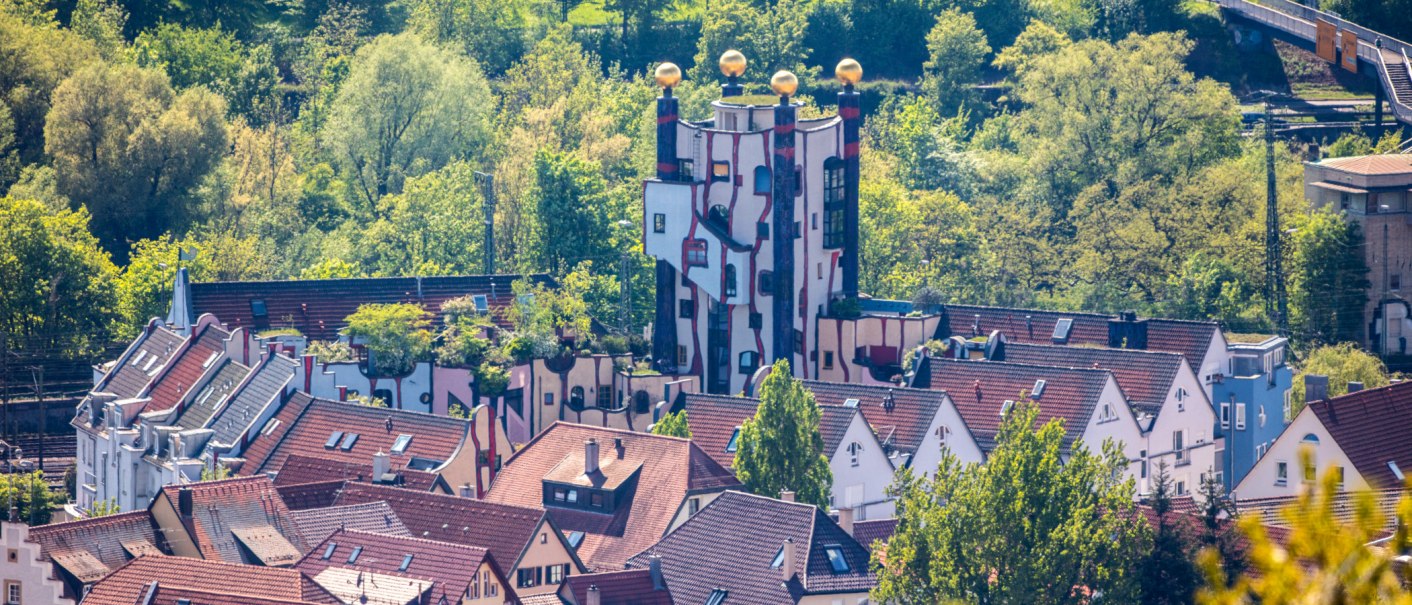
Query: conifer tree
(1169,574)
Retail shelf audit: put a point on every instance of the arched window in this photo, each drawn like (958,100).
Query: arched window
(576,398)
(720,217)
(641,402)
(749,361)
(1310,439)
(835,198)
(763,186)
(730,281)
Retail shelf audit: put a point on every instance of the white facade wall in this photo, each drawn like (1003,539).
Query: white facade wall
(1264,481)
(22,567)
(860,482)
(958,440)
(1187,409)
(1121,427)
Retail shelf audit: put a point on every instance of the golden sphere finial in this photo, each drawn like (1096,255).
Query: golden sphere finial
(667,75)
(784,83)
(848,72)
(732,63)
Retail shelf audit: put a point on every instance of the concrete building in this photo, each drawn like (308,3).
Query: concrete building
(1375,192)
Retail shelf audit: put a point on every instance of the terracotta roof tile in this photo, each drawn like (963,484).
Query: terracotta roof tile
(502,529)
(901,426)
(299,469)
(449,566)
(1145,376)
(318,307)
(1272,510)
(91,548)
(714,418)
(248,504)
(188,367)
(435,438)
(671,468)
(188,596)
(873,530)
(632,586)
(130,583)
(147,355)
(1071,394)
(1371,427)
(1380,164)
(262,441)
(315,524)
(732,543)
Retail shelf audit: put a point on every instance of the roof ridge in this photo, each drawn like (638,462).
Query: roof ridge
(393,538)
(1099,350)
(979,363)
(90,522)
(605,429)
(368,409)
(1030,309)
(386,278)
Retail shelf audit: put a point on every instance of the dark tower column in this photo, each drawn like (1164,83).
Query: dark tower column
(784,84)
(664,325)
(849,109)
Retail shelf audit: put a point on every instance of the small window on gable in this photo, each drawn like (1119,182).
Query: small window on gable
(333,439)
(763,183)
(257,308)
(720,171)
(1310,439)
(734,442)
(659,223)
(400,445)
(406,562)
(837,562)
(348,441)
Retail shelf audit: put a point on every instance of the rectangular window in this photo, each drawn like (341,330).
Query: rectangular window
(686,170)
(693,505)
(814,221)
(681,355)
(525,578)
(1394,281)
(767,283)
(605,398)
(837,562)
(406,562)
(257,308)
(720,171)
(828,360)
(573,497)
(333,439)
(1179,446)
(1338,475)
(834,202)
(353,556)
(733,443)
(762,230)
(1225,415)
(687,309)
(1281,473)
(595,499)
(348,441)
(1240,417)
(757,321)
(554,574)
(12,593)
(560,494)
(659,223)
(695,251)
(400,445)
(548,399)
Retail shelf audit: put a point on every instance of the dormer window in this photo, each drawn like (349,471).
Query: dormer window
(734,443)
(837,562)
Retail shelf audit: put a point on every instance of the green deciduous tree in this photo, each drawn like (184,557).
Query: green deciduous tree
(397,336)
(1342,363)
(495,32)
(771,37)
(35,56)
(211,57)
(572,211)
(780,448)
(102,23)
(542,315)
(131,150)
(1037,41)
(436,226)
(1328,278)
(672,425)
(1025,527)
(58,293)
(32,499)
(1219,537)
(406,108)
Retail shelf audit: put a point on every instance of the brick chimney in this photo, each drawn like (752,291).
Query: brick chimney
(654,568)
(590,456)
(787,566)
(845,520)
(787,496)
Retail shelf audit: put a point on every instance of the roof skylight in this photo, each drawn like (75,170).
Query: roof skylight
(837,562)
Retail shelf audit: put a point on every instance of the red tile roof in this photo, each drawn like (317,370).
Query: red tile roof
(130,583)
(1273,513)
(316,524)
(714,418)
(183,372)
(450,566)
(506,531)
(318,307)
(188,596)
(901,426)
(128,377)
(1145,376)
(874,530)
(1070,394)
(632,586)
(1371,427)
(1034,326)
(671,469)
(299,469)
(1371,165)
(732,542)
(433,437)
(309,495)
(91,548)
(232,516)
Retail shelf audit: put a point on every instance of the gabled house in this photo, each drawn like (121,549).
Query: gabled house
(1176,418)
(1360,436)
(914,426)
(299,469)
(861,468)
(635,586)
(362,567)
(538,554)
(56,563)
(465,454)
(618,491)
(1089,401)
(240,520)
(315,524)
(161,580)
(744,548)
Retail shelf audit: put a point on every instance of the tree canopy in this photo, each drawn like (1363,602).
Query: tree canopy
(781,449)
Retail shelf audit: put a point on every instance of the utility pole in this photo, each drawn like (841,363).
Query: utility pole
(487,185)
(5,393)
(1276,302)
(38,373)
(624,292)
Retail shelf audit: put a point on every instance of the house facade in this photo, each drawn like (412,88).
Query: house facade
(27,576)
(916,427)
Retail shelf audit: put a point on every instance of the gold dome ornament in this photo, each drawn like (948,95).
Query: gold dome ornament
(668,75)
(784,83)
(848,72)
(732,63)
